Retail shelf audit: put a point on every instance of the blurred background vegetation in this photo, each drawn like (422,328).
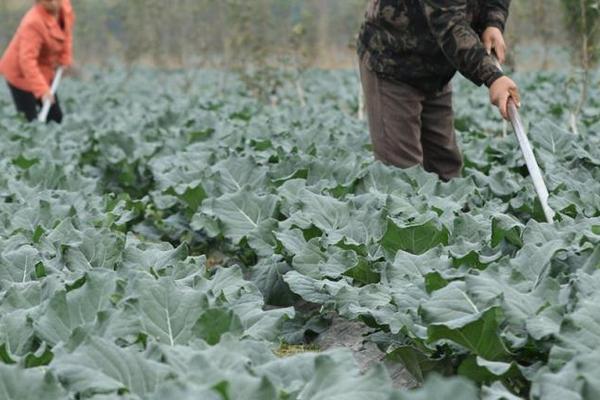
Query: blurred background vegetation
(238,33)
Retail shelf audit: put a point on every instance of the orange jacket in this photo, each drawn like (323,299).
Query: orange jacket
(38,48)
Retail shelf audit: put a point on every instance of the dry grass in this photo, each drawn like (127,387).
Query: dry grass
(289,350)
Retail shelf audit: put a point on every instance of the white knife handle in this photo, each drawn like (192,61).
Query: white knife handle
(532,165)
(530,160)
(43,116)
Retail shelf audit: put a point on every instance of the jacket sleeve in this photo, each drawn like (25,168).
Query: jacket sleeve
(447,20)
(496,14)
(29,50)
(66,58)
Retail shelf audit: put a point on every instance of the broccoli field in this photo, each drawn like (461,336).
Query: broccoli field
(192,241)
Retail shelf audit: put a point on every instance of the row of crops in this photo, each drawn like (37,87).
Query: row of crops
(157,245)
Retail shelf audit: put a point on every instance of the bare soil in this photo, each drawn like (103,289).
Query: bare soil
(351,335)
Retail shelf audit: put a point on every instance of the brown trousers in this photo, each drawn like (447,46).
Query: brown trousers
(410,127)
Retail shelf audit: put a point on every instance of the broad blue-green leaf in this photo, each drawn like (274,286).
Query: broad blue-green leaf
(324,212)
(437,388)
(214,323)
(65,234)
(331,382)
(506,227)
(29,384)
(497,392)
(79,308)
(415,267)
(313,290)
(99,366)
(413,238)
(236,173)
(243,215)
(533,262)
(310,260)
(268,277)
(229,289)
(147,257)
(184,391)
(521,303)
(580,332)
(166,311)
(17,306)
(99,249)
(452,315)
(562,385)
(18,265)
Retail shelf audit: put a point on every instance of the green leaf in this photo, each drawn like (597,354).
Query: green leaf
(98,249)
(453,316)
(65,234)
(19,265)
(562,385)
(485,372)
(410,267)
(99,366)
(332,382)
(437,388)
(364,272)
(244,216)
(25,163)
(332,217)
(215,322)
(152,257)
(434,281)
(579,333)
(313,290)
(29,384)
(497,392)
(41,357)
(480,336)
(310,260)
(184,391)
(418,364)
(414,239)
(533,262)
(192,196)
(78,308)
(235,173)
(450,304)
(593,262)
(166,311)
(523,306)
(506,227)
(268,277)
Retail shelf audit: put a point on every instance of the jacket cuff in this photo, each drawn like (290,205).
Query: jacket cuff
(493,78)
(495,24)
(495,19)
(66,61)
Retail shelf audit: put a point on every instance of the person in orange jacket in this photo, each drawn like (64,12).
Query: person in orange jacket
(43,42)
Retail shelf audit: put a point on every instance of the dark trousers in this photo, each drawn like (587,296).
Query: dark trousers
(410,127)
(28,105)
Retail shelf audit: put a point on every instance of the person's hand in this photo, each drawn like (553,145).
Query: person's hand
(48,97)
(501,91)
(493,40)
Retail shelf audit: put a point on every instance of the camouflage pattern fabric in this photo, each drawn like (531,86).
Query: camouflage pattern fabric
(424,42)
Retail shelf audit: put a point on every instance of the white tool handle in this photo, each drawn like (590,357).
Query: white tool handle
(532,165)
(530,160)
(43,116)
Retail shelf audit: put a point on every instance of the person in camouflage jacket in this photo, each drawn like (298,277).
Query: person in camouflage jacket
(409,51)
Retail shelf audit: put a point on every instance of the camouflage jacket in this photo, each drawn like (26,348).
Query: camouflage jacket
(424,42)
